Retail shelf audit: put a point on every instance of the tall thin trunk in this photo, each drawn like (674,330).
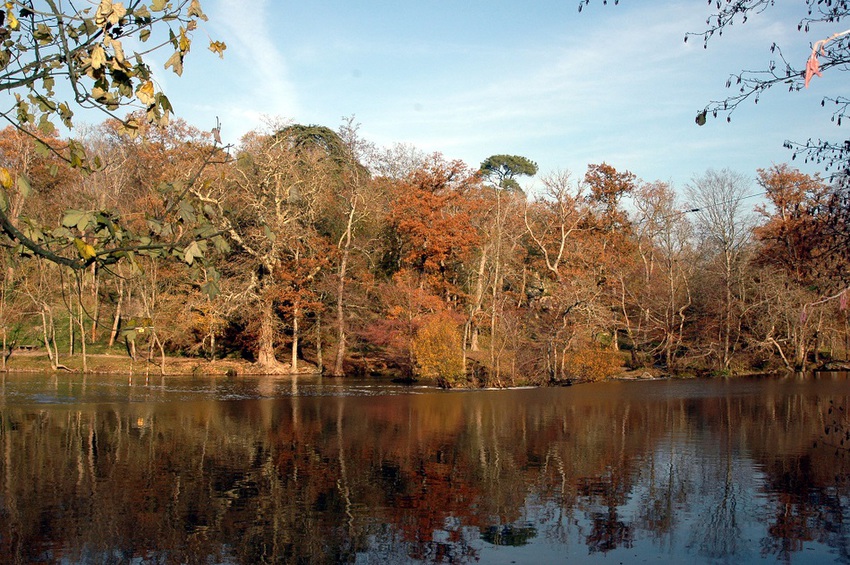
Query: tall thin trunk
(117,318)
(476,305)
(727,328)
(49,333)
(496,276)
(81,321)
(96,306)
(339,370)
(296,334)
(71,322)
(161,354)
(345,244)
(320,361)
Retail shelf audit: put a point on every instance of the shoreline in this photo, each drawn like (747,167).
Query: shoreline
(123,365)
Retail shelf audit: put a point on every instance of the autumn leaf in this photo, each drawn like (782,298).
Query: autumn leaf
(118,12)
(176,63)
(118,51)
(195,10)
(5,178)
(218,47)
(145,93)
(184,42)
(98,57)
(812,68)
(109,13)
(85,250)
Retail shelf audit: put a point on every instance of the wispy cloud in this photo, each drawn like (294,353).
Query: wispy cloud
(263,86)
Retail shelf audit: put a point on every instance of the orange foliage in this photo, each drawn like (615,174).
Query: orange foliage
(790,236)
(591,364)
(437,349)
(431,220)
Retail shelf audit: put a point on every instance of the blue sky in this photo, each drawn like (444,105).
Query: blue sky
(473,78)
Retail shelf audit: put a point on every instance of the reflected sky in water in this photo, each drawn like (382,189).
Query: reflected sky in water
(246,470)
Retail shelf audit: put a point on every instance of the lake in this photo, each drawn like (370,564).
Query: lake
(247,470)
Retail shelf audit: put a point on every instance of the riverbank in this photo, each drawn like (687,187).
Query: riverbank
(113,364)
(34,361)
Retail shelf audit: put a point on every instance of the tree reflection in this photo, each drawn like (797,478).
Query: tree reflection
(432,477)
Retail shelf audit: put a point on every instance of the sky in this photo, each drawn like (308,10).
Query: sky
(470,79)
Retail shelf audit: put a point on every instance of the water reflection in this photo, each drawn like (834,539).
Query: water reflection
(245,471)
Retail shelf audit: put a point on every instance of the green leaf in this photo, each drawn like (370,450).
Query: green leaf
(221,244)
(45,126)
(211,289)
(74,218)
(65,114)
(213,274)
(42,33)
(164,102)
(192,252)
(142,13)
(41,149)
(24,186)
(187,211)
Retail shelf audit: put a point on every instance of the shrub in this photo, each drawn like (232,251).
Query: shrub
(591,364)
(437,350)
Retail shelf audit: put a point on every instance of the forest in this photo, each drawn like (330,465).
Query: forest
(307,249)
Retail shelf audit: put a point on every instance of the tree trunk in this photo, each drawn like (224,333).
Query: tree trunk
(320,361)
(71,321)
(81,321)
(117,318)
(345,244)
(96,307)
(265,351)
(296,335)
(476,306)
(497,257)
(49,334)
(339,369)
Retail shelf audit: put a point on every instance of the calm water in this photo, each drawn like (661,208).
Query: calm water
(205,470)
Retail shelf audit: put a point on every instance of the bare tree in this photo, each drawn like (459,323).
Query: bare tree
(724,228)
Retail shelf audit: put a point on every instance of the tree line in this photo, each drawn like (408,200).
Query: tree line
(308,249)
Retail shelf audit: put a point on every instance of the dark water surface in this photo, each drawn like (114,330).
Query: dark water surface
(251,470)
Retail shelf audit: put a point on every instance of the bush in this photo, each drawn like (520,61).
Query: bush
(591,364)
(437,350)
